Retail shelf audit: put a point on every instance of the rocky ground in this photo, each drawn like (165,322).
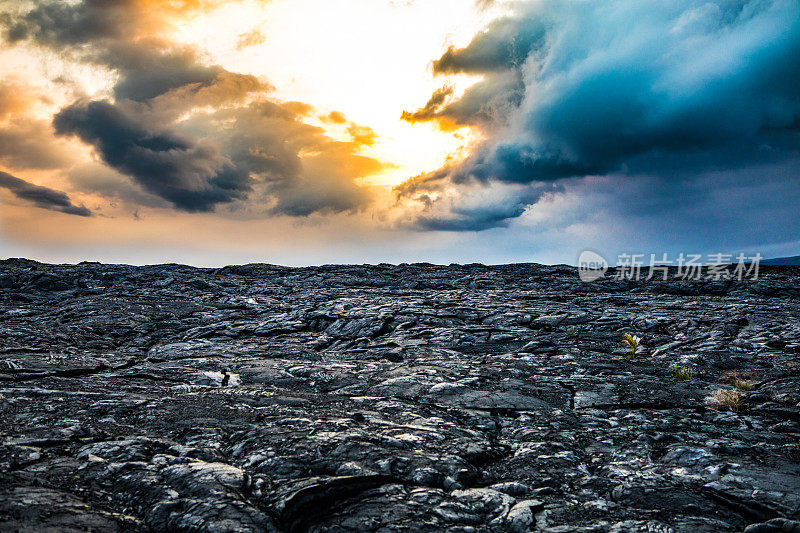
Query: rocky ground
(395,398)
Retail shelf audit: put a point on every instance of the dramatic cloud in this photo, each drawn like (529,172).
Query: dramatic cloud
(43,197)
(54,23)
(504,45)
(126,35)
(561,124)
(98,179)
(486,104)
(659,88)
(190,174)
(187,131)
(477,209)
(296,164)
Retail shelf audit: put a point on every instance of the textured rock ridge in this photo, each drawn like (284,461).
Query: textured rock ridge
(395,398)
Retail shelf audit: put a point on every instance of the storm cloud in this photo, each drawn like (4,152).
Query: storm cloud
(190,174)
(190,132)
(43,197)
(661,88)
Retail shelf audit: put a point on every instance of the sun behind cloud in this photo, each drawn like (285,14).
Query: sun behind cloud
(368,59)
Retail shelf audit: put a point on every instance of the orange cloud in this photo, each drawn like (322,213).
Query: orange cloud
(252,38)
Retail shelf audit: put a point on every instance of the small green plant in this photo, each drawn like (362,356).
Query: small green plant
(683,372)
(633,343)
(741,381)
(726,400)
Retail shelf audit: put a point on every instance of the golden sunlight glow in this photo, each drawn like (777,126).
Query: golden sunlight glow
(368,59)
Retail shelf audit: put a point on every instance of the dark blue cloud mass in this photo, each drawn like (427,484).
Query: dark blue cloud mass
(191,175)
(660,88)
(40,196)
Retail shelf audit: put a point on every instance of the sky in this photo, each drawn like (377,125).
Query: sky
(300,132)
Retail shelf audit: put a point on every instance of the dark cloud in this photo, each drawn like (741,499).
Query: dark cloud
(189,132)
(150,72)
(124,35)
(505,44)
(469,207)
(58,24)
(485,104)
(43,197)
(61,24)
(307,197)
(326,183)
(148,69)
(267,139)
(188,173)
(624,87)
(474,219)
(429,111)
(426,182)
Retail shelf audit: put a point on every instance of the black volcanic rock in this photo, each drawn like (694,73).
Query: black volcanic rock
(394,398)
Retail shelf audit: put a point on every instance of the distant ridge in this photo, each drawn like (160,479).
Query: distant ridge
(790,261)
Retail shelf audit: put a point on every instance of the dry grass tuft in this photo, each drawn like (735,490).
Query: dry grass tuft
(726,400)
